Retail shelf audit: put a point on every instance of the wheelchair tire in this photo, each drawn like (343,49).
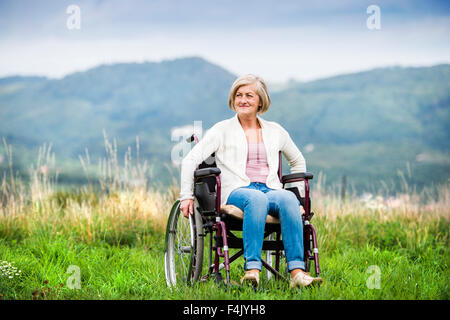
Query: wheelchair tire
(183,254)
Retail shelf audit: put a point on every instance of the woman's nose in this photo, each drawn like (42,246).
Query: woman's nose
(243,101)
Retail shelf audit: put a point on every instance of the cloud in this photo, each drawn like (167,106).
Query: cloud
(295,40)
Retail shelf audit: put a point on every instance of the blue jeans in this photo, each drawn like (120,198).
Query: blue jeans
(256,201)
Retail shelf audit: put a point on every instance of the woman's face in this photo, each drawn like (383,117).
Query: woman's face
(246,100)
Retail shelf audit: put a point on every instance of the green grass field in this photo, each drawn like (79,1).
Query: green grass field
(116,243)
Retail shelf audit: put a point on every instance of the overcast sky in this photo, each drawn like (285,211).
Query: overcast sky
(277,40)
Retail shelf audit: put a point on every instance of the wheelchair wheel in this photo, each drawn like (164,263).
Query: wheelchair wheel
(183,255)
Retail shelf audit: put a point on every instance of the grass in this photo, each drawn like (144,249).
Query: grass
(117,242)
(115,237)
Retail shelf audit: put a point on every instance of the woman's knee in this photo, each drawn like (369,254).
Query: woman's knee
(285,198)
(248,198)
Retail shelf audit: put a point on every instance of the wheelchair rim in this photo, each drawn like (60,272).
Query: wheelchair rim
(179,248)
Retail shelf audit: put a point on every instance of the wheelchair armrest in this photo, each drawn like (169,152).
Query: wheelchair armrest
(200,173)
(299,176)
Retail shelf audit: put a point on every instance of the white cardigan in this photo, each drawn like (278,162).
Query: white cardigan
(227,139)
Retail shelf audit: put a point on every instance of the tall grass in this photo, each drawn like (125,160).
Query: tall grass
(123,206)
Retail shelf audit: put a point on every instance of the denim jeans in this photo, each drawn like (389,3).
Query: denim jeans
(256,201)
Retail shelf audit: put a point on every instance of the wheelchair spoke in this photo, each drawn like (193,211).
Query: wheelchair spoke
(183,248)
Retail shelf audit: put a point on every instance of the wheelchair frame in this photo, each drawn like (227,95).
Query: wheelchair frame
(209,218)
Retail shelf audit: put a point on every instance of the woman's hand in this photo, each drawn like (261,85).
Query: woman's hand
(187,206)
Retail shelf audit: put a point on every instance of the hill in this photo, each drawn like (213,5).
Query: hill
(366,126)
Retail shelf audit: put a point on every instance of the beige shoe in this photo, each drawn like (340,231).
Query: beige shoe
(251,277)
(304,279)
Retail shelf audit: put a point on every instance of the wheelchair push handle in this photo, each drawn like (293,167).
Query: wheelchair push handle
(294,177)
(191,138)
(206,172)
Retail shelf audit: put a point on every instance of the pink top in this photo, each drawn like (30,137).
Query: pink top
(257,168)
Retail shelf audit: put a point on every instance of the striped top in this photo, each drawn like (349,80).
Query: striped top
(257,167)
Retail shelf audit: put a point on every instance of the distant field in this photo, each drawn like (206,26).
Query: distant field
(370,248)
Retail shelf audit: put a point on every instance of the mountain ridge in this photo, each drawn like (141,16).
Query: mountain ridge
(383,106)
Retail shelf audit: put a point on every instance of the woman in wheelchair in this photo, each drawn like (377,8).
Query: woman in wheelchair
(246,149)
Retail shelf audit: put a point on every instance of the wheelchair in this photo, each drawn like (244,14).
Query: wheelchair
(185,238)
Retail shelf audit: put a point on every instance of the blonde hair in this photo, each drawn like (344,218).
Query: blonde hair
(261,90)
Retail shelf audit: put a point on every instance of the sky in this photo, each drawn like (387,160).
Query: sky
(277,40)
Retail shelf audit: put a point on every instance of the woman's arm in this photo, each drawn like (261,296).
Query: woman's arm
(295,159)
(201,151)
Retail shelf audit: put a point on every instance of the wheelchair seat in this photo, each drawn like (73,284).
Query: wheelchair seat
(237,213)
